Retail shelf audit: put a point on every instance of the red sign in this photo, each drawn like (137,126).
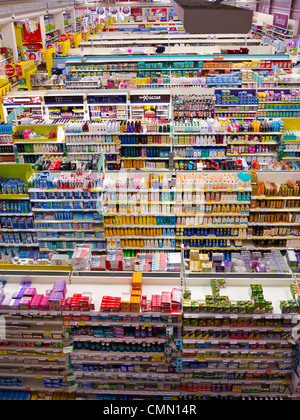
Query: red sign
(9,70)
(63,37)
(32,56)
(19,70)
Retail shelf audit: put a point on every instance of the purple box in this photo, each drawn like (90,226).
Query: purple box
(55,301)
(60,286)
(19,293)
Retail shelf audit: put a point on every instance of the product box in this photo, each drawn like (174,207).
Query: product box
(7,297)
(114,260)
(44,304)
(125,302)
(30,291)
(156,303)
(14,304)
(55,300)
(81,257)
(128,263)
(25,302)
(166,302)
(176,299)
(59,259)
(36,301)
(110,304)
(60,286)
(135,303)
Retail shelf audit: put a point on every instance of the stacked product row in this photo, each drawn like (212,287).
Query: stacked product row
(163,344)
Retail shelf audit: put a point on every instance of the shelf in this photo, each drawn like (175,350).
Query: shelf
(14,197)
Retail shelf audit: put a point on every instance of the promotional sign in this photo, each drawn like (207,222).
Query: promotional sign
(63,100)
(106,99)
(101,13)
(280,20)
(35,56)
(125,10)
(14,114)
(9,70)
(150,98)
(17,101)
(63,37)
(113,11)
(71,38)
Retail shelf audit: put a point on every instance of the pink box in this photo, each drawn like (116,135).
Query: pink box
(36,301)
(30,291)
(44,305)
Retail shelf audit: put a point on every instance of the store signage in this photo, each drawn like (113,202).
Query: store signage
(113,11)
(280,20)
(63,37)
(71,37)
(16,101)
(35,56)
(125,10)
(9,70)
(276,69)
(101,12)
(14,114)
(106,99)
(62,100)
(150,98)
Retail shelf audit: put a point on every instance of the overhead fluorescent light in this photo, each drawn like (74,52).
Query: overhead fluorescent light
(206,17)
